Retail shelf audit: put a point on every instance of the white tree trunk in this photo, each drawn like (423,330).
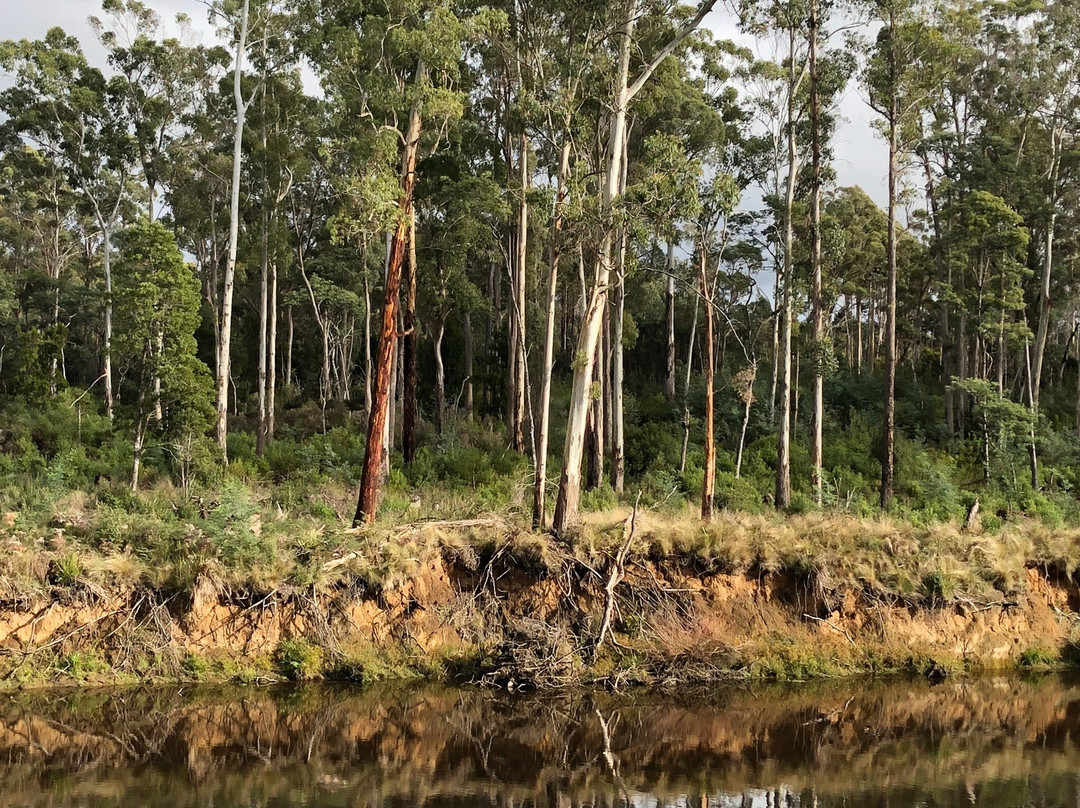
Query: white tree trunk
(225,339)
(566,506)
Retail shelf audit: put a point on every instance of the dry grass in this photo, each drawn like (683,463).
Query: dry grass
(881,556)
(264,548)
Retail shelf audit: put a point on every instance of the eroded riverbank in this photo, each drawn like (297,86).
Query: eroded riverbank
(532,614)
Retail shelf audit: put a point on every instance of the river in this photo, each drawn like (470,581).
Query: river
(979,742)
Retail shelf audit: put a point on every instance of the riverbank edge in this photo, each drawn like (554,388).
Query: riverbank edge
(618,609)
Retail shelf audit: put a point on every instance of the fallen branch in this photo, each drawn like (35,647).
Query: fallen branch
(618,570)
(337,562)
(831,625)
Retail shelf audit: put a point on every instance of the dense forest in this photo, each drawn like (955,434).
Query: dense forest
(537,257)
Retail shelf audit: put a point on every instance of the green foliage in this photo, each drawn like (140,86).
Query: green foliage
(299,661)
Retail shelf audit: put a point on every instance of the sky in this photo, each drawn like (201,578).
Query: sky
(860,154)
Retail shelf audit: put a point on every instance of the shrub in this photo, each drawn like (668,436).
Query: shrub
(299,661)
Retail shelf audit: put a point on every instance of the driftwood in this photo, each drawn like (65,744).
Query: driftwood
(618,571)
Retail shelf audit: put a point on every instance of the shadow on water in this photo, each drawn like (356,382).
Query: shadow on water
(987,742)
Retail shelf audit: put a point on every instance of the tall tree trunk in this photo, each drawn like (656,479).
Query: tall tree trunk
(774,383)
(225,340)
(289,347)
(440,377)
(944,280)
(566,506)
(271,393)
(748,400)
(686,386)
(368,498)
(264,331)
(521,244)
(888,426)
(539,515)
(137,448)
(817,333)
(409,350)
(597,425)
(783,443)
(466,328)
(1047,267)
(709,481)
(324,332)
(618,448)
(669,267)
(858,334)
(106,263)
(368,368)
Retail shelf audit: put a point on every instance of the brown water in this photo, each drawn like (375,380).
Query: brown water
(986,742)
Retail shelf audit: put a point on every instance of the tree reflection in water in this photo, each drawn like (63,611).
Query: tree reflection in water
(985,742)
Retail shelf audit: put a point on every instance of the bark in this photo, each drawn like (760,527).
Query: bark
(774,383)
(367,345)
(709,483)
(518,387)
(566,506)
(817,333)
(943,311)
(288,351)
(466,327)
(618,449)
(106,263)
(748,401)
(1047,267)
(440,377)
(686,387)
(858,334)
(669,378)
(595,476)
(271,372)
(409,350)
(783,443)
(324,331)
(539,515)
(225,339)
(371,473)
(888,427)
(138,445)
(264,328)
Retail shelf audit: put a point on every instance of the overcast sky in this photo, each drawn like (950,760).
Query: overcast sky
(860,154)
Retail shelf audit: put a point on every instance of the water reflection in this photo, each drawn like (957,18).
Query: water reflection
(985,742)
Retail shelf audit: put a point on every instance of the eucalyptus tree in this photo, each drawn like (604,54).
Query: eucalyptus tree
(781,100)
(68,110)
(903,71)
(826,78)
(392,66)
(680,121)
(624,89)
(41,236)
(1048,78)
(250,27)
(719,198)
(163,73)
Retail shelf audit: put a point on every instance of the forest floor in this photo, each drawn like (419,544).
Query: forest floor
(633,598)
